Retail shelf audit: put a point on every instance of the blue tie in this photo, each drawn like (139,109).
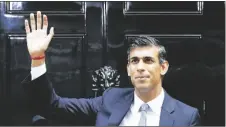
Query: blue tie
(143,109)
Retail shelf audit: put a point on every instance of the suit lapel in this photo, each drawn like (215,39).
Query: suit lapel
(166,118)
(120,109)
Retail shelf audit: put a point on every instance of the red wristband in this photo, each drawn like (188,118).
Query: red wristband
(38,57)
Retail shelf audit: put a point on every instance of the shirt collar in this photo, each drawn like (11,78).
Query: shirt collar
(155,104)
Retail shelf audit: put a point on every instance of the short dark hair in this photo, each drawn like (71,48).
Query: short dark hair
(142,41)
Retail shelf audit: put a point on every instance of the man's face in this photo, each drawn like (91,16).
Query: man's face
(144,68)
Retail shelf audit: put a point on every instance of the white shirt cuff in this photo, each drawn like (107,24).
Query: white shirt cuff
(38,71)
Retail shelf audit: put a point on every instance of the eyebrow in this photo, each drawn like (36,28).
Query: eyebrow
(135,57)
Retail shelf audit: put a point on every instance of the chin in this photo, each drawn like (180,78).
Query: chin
(143,88)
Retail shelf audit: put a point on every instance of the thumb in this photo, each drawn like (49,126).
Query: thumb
(49,37)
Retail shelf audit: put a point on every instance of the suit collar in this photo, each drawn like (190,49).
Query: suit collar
(168,103)
(120,109)
(168,107)
(122,106)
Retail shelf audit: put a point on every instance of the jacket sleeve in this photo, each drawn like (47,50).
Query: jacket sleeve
(43,100)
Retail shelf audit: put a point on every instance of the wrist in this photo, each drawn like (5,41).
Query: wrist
(36,63)
(38,57)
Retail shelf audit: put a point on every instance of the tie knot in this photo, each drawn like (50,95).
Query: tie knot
(144,107)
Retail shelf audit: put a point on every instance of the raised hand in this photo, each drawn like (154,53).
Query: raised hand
(37,38)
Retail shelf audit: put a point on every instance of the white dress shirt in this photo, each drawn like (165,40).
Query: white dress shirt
(133,115)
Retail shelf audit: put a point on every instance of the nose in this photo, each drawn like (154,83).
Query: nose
(140,66)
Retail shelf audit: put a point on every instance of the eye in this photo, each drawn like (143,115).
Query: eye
(134,60)
(148,60)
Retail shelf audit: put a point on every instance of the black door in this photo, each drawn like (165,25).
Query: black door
(89,35)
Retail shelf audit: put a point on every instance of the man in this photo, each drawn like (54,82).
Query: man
(147,104)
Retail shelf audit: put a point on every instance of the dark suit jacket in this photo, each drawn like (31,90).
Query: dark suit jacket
(110,108)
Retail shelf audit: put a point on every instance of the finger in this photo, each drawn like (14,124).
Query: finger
(39,20)
(49,37)
(32,20)
(27,28)
(45,23)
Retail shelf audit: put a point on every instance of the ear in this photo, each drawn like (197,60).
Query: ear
(128,70)
(164,67)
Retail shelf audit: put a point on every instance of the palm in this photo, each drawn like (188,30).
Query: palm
(38,40)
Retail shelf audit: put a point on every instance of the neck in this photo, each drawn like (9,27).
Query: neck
(150,94)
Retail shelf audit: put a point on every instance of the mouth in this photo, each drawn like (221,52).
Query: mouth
(142,77)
